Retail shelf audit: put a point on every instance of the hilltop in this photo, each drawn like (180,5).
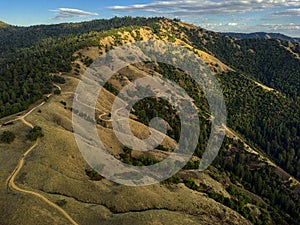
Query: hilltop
(2,24)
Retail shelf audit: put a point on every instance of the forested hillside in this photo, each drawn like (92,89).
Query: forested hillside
(28,55)
(13,37)
(273,62)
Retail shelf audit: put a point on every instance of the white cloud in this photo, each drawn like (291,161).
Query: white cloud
(212,26)
(291,29)
(281,27)
(206,7)
(288,12)
(226,27)
(232,24)
(67,13)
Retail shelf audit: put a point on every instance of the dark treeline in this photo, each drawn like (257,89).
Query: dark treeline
(21,37)
(268,61)
(28,55)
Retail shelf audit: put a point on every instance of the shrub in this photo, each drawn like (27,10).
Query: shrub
(93,175)
(61,202)
(35,133)
(192,165)
(7,137)
(57,92)
(63,103)
(191,184)
(174,180)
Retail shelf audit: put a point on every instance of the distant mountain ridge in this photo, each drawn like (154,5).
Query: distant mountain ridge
(262,35)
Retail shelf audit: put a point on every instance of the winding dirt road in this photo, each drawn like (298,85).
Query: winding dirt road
(11,179)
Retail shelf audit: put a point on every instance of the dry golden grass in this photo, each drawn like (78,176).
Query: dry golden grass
(215,64)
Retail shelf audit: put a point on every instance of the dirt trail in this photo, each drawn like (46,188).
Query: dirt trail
(58,87)
(11,179)
(296,55)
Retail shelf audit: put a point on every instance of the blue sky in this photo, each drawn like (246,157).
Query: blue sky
(219,15)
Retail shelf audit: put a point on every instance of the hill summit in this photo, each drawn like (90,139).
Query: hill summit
(2,24)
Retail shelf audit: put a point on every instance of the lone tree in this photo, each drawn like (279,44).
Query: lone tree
(35,133)
(7,137)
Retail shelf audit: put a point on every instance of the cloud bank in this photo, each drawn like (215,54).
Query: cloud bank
(67,13)
(225,15)
(213,7)
(280,27)
(288,12)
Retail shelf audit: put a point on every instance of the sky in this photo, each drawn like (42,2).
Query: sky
(277,16)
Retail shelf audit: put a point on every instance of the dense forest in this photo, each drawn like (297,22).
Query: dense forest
(29,55)
(279,200)
(272,62)
(267,119)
